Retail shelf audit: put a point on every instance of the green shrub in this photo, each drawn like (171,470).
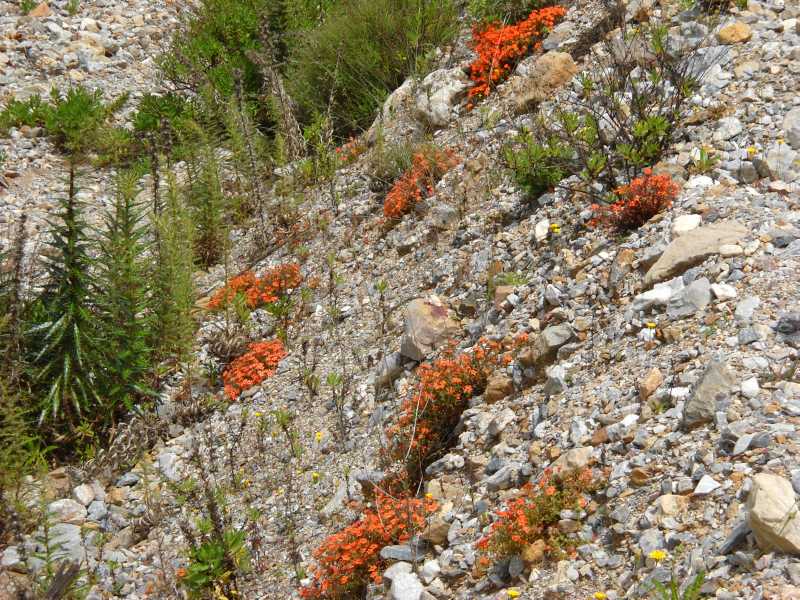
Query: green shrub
(215,561)
(364,50)
(622,119)
(22,112)
(508,11)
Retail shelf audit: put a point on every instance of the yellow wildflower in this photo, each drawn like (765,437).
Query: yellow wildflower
(650,325)
(315,477)
(752,151)
(599,596)
(513,593)
(319,437)
(555,228)
(657,555)
(258,413)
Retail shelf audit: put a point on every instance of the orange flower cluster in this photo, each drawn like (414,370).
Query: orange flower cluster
(349,560)
(350,150)
(416,183)
(500,48)
(535,515)
(258,290)
(257,364)
(639,201)
(429,414)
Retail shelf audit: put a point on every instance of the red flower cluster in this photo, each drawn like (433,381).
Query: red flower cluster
(349,560)
(639,201)
(535,515)
(500,48)
(258,290)
(253,367)
(429,414)
(417,182)
(350,150)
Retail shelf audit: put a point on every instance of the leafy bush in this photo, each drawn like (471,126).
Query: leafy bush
(350,559)
(622,119)
(500,47)
(535,514)
(257,364)
(363,51)
(637,202)
(426,169)
(258,291)
(508,11)
(212,562)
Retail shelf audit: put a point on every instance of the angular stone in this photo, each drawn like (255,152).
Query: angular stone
(84,494)
(439,94)
(685,223)
(791,128)
(693,247)
(773,514)
(428,327)
(576,458)
(716,384)
(40,11)
(693,298)
(539,78)
(498,387)
(650,383)
(406,586)
(620,268)
(67,511)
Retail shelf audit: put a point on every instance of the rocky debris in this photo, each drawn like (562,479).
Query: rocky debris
(439,95)
(773,514)
(714,387)
(428,326)
(650,383)
(692,248)
(406,586)
(539,77)
(735,33)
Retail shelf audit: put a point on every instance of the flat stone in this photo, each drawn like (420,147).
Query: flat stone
(773,514)
(650,383)
(735,33)
(695,297)
(706,485)
(427,327)
(67,510)
(723,291)
(716,384)
(406,586)
(694,247)
(685,223)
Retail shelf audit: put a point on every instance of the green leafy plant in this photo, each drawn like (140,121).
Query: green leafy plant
(213,562)
(73,6)
(509,11)
(703,161)
(26,6)
(364,50)
(538,167)
(674,589)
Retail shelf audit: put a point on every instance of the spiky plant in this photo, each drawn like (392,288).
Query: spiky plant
(122,296)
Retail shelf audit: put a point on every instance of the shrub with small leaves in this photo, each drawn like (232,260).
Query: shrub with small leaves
(257,364)
(349,560)
(534,515)
(417,183)
(637,202)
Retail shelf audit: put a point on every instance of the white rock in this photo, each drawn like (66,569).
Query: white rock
(728,250)
(706,485)
(699,181)
(406,586)
(723,291)
(84,494)
(773,514)
(67,510)
(685,223)
(541,230)
(750,387)
(438,95)
(430,570)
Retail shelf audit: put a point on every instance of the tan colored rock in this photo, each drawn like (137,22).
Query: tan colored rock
(650,383)
(498,387)
(501,292)
(534,553)
(735,33)
(436,531)
(428,327)
(620,268)
(576,458)
(539,81)
(693,248)
(671,505)
(440,490)
(42,10)
(773,514)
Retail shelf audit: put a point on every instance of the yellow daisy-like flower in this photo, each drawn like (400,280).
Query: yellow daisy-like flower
(780,141)
(315,477)
(752,150)
(319,437)
(258,414)
(657,555)
(429,496)
(555,228)
(513,593)
(650,325)
(599,596)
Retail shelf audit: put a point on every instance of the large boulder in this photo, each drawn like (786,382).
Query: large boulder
(428,326)
(715,385)
(438,96)
(538,78)
(693,247)
(773,514)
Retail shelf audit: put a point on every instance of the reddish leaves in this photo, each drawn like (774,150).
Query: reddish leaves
(253,367)
(258,291)
(417,183)
(638,202)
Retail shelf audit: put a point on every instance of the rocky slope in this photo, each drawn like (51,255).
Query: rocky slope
(666,359)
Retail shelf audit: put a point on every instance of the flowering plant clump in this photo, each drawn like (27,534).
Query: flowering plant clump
(350,150)
(535,515)
(637,202)
(257,364)
(417,183)
(429,414)
(258,291)
(349,560)
(501,47)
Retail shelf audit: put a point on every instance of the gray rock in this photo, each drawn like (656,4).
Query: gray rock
(651,539)
(402,552)
(128,479)
(439,94)
(727,128)
(693,247)
(396,569)
(791,127)
(695,297)
(715,385)
(745,308)
(505,478)
(781,161)
(67,511)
